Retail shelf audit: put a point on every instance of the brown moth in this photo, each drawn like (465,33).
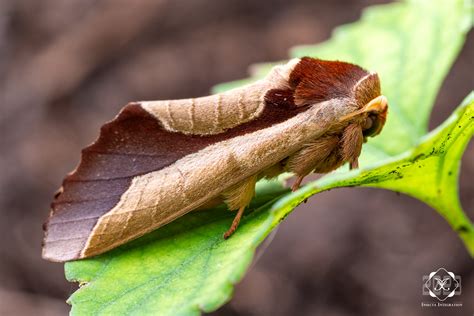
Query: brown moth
(158,160)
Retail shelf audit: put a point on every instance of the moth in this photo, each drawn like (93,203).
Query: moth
(158,160)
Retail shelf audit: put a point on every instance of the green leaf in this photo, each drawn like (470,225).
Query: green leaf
(186,267)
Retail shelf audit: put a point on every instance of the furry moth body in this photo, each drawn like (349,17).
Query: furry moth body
(159,160)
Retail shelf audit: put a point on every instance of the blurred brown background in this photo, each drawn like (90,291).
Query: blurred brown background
(68,66)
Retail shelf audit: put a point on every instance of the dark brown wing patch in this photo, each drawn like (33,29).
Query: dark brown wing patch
(281,98)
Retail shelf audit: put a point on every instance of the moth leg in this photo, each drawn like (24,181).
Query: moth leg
(235,223)
(313,156)
(238,197)
(352,140)
(296,185)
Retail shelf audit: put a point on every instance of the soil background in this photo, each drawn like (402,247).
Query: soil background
(68,66)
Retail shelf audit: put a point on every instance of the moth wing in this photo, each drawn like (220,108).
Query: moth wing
(128,182)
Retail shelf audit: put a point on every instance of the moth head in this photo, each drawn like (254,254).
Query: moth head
(372,105)
(314,80)
(375,116)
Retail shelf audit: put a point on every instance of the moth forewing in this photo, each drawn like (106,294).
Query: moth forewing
(159,160)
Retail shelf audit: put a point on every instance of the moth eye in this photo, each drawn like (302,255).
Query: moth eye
(371,126)
(367,123)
